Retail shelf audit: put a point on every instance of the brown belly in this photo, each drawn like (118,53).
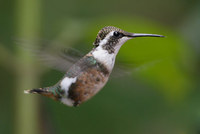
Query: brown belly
(87,85)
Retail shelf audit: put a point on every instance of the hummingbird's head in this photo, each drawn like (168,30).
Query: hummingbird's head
(108,42)
(111,38)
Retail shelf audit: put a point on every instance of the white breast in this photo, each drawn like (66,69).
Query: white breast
(104,57)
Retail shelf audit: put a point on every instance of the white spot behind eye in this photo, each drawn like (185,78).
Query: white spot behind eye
(106,39)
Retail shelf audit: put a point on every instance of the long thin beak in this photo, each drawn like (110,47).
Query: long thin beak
(133,35)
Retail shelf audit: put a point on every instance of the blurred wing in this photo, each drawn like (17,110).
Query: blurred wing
(121,70)
(53,54)
(61,61)
(126,69)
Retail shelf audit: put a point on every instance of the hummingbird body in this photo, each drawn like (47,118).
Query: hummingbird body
(86,77)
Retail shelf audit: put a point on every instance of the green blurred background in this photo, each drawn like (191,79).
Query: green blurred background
(160,96)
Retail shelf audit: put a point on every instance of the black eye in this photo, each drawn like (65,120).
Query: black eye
(116,34)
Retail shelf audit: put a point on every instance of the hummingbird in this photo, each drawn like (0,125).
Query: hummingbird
(89,75)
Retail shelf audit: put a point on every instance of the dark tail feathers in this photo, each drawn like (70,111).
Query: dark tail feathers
(43,92)
(35,91)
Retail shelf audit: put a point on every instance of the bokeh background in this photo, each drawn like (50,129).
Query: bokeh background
(160,95)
